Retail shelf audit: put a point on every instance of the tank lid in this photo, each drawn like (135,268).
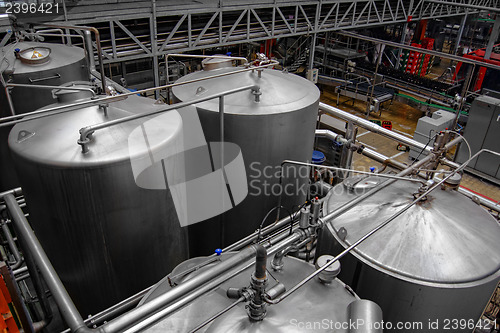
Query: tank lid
(52,140)
(34,55)
(446,239)
(281,92)
(60,56)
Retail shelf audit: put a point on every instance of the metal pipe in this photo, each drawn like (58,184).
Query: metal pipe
(333,111)
(277,263)
(374,230)
(86,131)
(248,239)
(37,282)
(51,87)
(90,53)
(207,287)
(482,200)
(15,191)
(66,305)
(147,309)
(109,99)
(218,314)
(115,310)
(322,133)
(12,246)
(20,270)
(382,158)
(97,41)
(382,175)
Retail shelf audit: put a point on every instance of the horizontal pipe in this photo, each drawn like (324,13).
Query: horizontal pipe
(8,121)
(86,131)
(149,308)
(370,153)
(482,200)
(16,192)
(297,236)
(39,86)
(336,112)
(419,50)
(114,310)
(381,175)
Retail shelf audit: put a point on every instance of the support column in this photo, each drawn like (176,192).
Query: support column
(460,32)
(493,37)
(403,37)
(154,48)
(312,49)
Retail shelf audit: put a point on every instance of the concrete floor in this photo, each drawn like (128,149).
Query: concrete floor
(404,121)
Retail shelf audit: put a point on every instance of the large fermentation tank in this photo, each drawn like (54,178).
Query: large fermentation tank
(106,237)
(315,307)
(438,262)
(33,63)
(280,126)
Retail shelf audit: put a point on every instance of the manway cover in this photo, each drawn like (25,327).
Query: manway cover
(446,239)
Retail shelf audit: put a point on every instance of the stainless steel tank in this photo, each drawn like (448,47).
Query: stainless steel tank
(40,64)
(437,264)
(280,126)
(315,307)
(107,237)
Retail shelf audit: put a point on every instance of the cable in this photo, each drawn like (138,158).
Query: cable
(423,149)
(466,142)
(267,215)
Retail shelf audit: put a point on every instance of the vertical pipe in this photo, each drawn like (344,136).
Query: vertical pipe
(14,291)
(460,32)
(12,245)
(66,305)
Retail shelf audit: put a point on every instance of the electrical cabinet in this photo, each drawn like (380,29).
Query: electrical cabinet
(483,131)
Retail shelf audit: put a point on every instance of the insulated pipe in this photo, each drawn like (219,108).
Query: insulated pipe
(333,111)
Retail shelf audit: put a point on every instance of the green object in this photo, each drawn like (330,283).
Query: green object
(430,104)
